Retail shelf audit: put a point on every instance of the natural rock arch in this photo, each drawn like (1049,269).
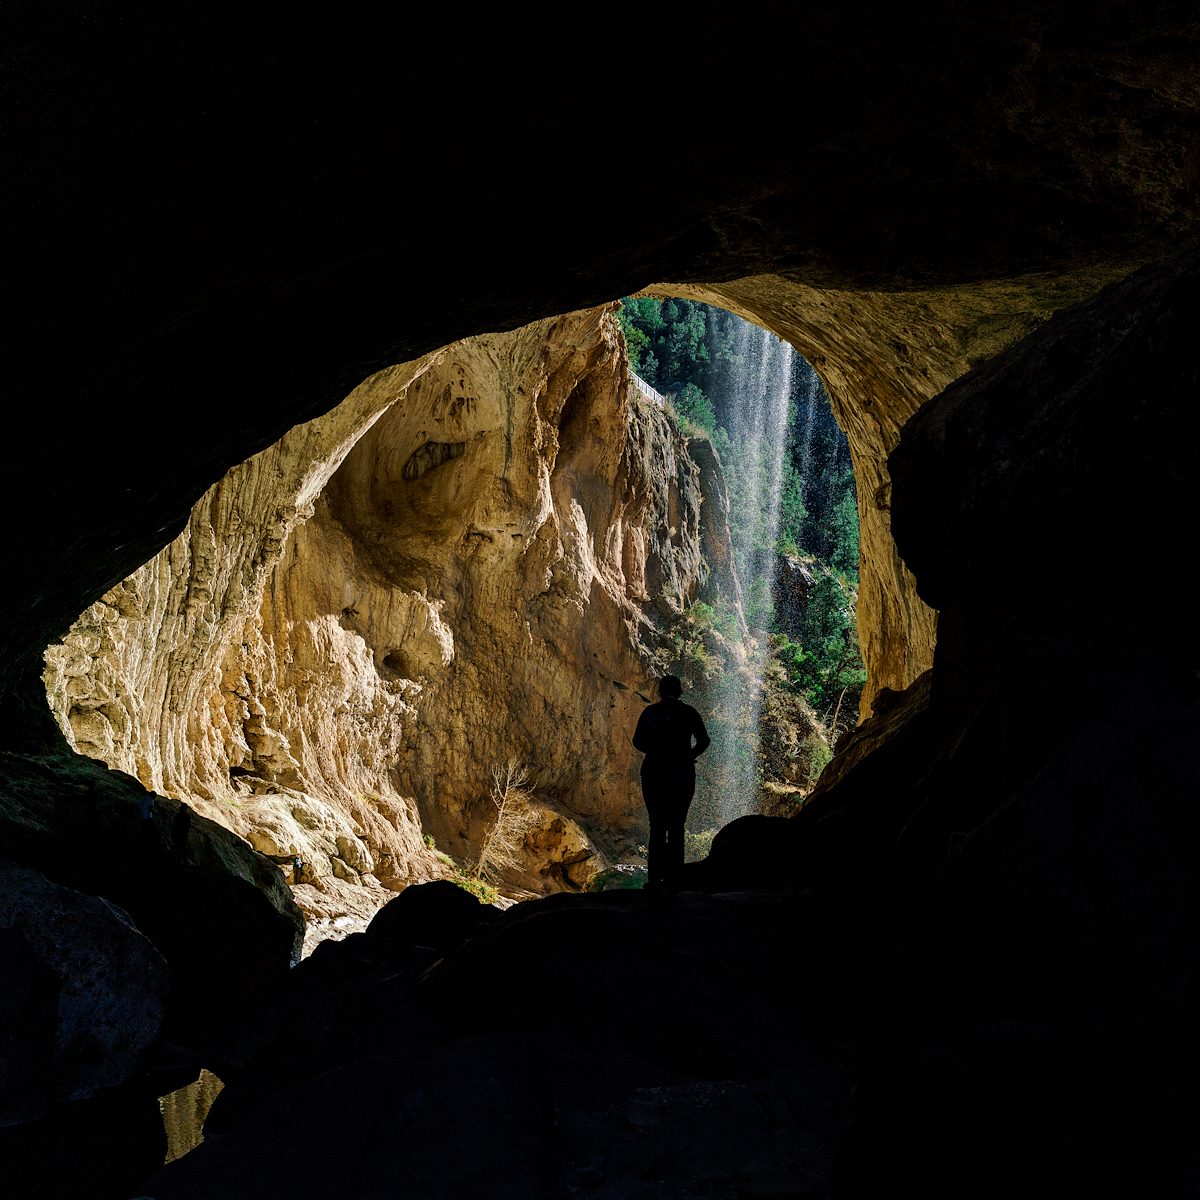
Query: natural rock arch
(881,355)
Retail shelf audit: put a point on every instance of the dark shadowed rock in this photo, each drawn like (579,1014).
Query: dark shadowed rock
(438,914)
(82,1005)
(100,1147)
(221,915)
(617,1047)
(84,995)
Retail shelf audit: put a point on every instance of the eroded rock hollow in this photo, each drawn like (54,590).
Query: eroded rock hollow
(473,560)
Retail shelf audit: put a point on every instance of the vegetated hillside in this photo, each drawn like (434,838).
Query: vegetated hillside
(804,610)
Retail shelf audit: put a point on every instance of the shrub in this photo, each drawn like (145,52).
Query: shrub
(484,892)
(819,757)
(697,845)
(515,816)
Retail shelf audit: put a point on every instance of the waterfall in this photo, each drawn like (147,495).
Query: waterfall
(810,394)
(756,387)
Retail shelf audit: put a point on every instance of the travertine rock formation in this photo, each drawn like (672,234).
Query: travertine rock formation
(881,356)
(471,561)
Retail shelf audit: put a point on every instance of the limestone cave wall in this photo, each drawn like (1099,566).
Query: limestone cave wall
(472,560)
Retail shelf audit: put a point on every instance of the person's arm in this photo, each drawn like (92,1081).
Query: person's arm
(701,736)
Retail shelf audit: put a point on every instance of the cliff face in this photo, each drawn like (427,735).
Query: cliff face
(471,561)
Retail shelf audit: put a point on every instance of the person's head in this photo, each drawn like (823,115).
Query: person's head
(670,688)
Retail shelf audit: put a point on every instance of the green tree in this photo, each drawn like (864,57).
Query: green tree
(642,322)
(793,516)
(686,353)
(844,535)
(636,343)
(825,662)
(695,406)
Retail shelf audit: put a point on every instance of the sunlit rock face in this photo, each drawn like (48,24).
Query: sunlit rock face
(469,562)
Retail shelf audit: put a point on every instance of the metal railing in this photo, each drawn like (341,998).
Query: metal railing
(646,390)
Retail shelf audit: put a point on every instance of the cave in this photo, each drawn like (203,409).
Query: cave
(969,964)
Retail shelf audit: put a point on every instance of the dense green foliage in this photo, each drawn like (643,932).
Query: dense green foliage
(688,352)
(683,349)
(823,661)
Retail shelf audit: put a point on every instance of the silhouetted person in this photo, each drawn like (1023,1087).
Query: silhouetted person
(672,736)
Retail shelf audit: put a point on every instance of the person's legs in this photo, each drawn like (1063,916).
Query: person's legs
(675,841)
(656,848)
(656,857)
(668,795)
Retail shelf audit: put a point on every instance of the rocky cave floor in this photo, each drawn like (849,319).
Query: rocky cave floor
(724,1045)
(604,1045)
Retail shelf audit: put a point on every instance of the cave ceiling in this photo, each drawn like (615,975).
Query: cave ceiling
(219,230)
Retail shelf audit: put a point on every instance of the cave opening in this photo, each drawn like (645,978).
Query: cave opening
(482,559)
